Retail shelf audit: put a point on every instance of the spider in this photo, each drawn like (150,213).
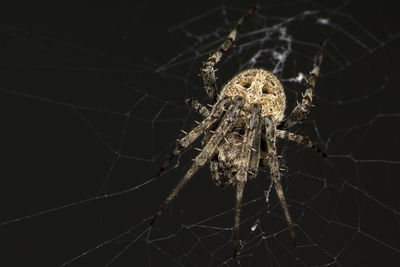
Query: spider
(241,129)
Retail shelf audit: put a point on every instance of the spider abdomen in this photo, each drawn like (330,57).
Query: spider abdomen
(258,86)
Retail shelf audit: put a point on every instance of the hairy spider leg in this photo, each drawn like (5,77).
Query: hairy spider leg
(215,174)
(300,140)
(208,71)
(255,153)
(303,108)
(254,161)
(199,108)
(224,127)
(184,142)
(209,79)
(241,176)
(274,169)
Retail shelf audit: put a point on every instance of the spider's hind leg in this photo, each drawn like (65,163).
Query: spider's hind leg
(303,108)
(208,71)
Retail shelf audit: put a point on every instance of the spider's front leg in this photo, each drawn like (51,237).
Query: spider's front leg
(226,124)
(254,161)
(303,108)
(252,126)
(208,71)
(183,143)
(270,128)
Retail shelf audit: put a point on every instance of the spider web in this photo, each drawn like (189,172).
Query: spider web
(92,100)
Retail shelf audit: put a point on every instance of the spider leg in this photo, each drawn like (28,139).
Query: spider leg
(208,71)
(199,108)
(241,177)
(226,124)
(204,112)
(214,173)
(275,174)
(303,108)
(255,152)
(301,140)
(183,143)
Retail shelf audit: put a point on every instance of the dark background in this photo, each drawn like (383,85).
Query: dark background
(89,107)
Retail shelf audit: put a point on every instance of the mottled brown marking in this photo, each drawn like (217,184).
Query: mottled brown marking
(258,86)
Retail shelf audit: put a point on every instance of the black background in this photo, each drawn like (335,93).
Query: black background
(75,76)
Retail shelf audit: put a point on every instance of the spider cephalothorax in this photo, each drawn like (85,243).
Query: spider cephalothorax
(241,129)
